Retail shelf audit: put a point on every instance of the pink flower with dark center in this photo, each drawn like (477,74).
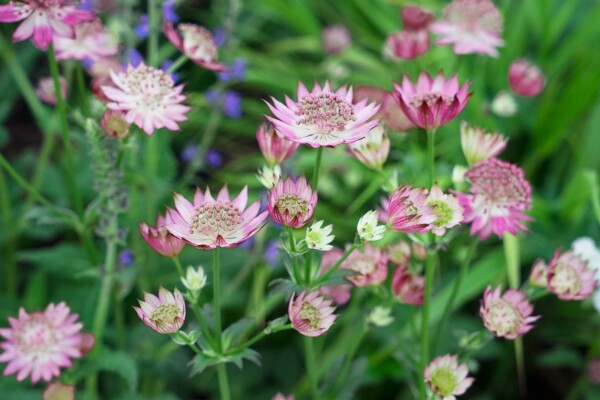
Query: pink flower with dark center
(45,89)
(323,117)
(525,79)
(373,150)
(44,19)
(148,96)
(471,26)
(41,343)
(408,44)
(336,39)
(498,197)
(389,112)
(407,211)
(274,148)
(292,203)
(431,103)
(160,239)
(370,266)
(446,377)
(415,18)
(208,223)
(310,314)
(507,315)
(165,313)
(339,293)
(408,287)
(195,42)
(91,42)
(479,144)
(569,276)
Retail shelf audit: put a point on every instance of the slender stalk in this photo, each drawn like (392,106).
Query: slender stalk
(223,381)
(178,266)
(83,94)
(11,244)
(431,156)
(207,140)
(311,367)
(177,63)
(369,191)
(292,244)
(24,184)
(221,369)
(257,337)
(429,270)
(152,34)
(203,325)
(336,266)
(308,268)
(347,363)
(315,178)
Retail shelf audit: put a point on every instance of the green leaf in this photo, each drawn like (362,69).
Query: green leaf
(120,363)
(235,330)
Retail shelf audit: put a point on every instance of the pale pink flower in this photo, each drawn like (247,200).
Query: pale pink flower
(208,223)
(471,26)
(498,197)
(506,315)
(407,211)
(43,19)
(274,148)
(165,313)
(281,396)
(479,144)
(148,96)
(399,253)
(91,42)
(336,39)
(114,124)
(415,18)
(370,266)
(539,274)
(87,343)
(45,89)
(569,276)
(41,343)
(160,239)
(408,44)
(446,208)
(593,370)
(408,287)
(195,42)
(339,293)
(292,203)
(446,377)
(373,150)
(525,78)
(59,391)
(322,117)
(431,103)
(310,314)
(390,113)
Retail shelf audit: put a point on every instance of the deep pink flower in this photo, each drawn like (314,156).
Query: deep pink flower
(45,89)
(370,265)
(407,211)
(525,79)
(311,314)
(446,377)
(336,39)
(471,26)
(165,313)
(339,293)
(506,315)
(415,18)
(208,223)
(498,196)
(569,276)
(408,287)
(389,112)
(479,144)
(322,117)
(160,239)
(431,103)
(274,148)
(41,343)
(195,42)
(408,44)
(44,19)
(292,203)
(91,42)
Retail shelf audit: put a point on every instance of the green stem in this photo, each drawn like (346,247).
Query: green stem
(24,184)
(292,243)
(221,369)
(257,337)
(152,34)
(347,363)
(362,198)
(178,266)
(431,156)
(11,243)
(311,367)
(429,270)
(223,381)
(83,94)
(336,266)
(207,140)
(203,325)
(178,63)
(315,178)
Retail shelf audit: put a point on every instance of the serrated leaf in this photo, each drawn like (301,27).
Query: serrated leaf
(47,216)
(235,330)
(202,361)
(283,286)
(120,363)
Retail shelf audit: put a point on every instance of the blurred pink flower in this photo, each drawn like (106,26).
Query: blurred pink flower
(310,314)
(399,253)
(446,377)
(408,287)
(274,148)
(479,144)
(114,124)
(322,117)
(507,315)
(336,39)
(408,44)
(45,89)
(415,18)
(165,313)
(59,391)
(407,211)
(539,274)
(373,150)
(339,293)
(281,396)
(292,203)
(569,276)
(160,239)
(370,265)
(195,42)
(593,370)
(525,79)
(91,42)
(389,112)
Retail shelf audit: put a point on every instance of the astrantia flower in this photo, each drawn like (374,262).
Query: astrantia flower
(408,44)
(415,18)
(46,92)
(44,19)
(195,42)
(586,248)
(281,396)
(445,208)
(408,287)
(367,228)
(569,276)
(59,391)
(274,148)
(407,211)
(336,39)
(148,96)
(504,104)
(319,237)
(373,150)
(322,117)
(498,196)
(292,203)
(311,314)
(593,370)
(165,313)
(525,78)
(268,176)
(41,343)
(380,316)
(399,253)
(431,103)
(446,377)
(160,239)
(114,124)
(539,274)
(471,26)
(506,315)
(479,144)
(390,113)
(339,293)
(91,42)
(195,279)
(369,265)
(208,223)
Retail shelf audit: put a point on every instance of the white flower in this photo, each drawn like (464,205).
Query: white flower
(458,175)
(504,104)
(318,238)
(195,279)
(380,316)
(585,247)
(367,228)
(268,176)
(446,208)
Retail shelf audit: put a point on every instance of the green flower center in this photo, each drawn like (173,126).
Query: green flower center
(165,315)
(310,315)
(443,212)
(445,381)
(292,205)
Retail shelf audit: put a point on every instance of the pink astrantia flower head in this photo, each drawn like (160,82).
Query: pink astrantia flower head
(569,276)
(165,313)
(114,124)
(408,44)
(281,396)
(446,377)
(408,287)
(525,79)
(208,223)
(471,26)
(506,315)
(431,103)
(44,19)
(45,89)
(195,42)
(311,314)
(274,148)
(160,239)
(373,150)
(415,18)
(539,274)
(336,39)
(479,144)
(323,117)
(407,211)
(389,112)
(292,203)
(41,343)
(498,196)
(339,293)
(446,208)
(148,96)
(399,253)
(593,370)
(369,265)
(91,42)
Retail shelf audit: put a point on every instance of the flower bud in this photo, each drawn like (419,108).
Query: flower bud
(525,79)
(195,279)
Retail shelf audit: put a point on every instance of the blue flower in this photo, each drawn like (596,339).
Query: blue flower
(169,12)
(237,71)
(213,158)
(219,36)
(232,104)
(126,258)
(133,57)
(165,66)
(189,152)
(272,254)
(143,27)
